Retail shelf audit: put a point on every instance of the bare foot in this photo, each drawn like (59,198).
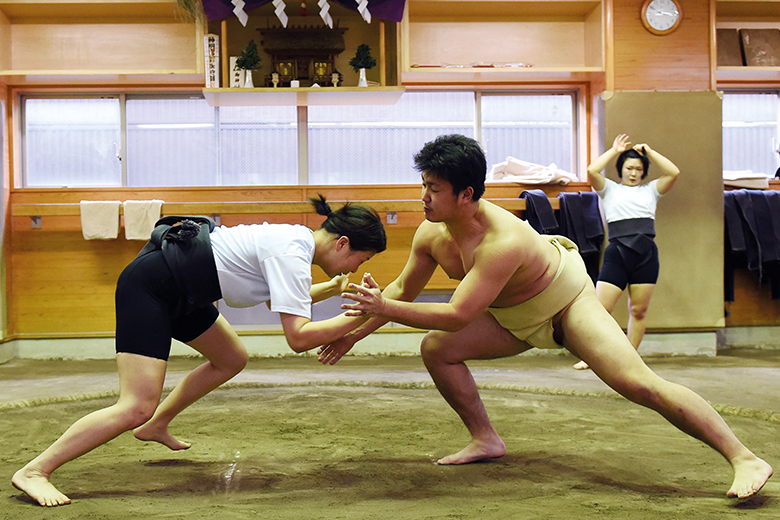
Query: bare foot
(37,485)
(749,477)
(581,366)
(477,450)
(148,433)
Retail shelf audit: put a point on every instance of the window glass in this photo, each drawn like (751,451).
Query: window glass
(375,144)
(171,142)
(72,142)
(535,128)
(258,145)
(750,132)
(182,141)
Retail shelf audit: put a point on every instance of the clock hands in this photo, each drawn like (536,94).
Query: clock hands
(662,13)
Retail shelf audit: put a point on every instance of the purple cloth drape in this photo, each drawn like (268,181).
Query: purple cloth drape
(392,10)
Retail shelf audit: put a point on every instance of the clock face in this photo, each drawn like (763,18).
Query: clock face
(662,16)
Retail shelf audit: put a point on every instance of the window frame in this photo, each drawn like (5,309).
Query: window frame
(758,89)
(579,92)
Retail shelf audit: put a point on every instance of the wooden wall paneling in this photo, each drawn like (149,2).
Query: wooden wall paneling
(61,284)
(677,61)
(5,168)
(753,304)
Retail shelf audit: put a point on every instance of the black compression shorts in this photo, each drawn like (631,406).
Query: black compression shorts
(147,297)
(623,266)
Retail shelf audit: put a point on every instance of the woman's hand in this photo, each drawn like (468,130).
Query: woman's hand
(340,283)
(330,354)
(642,149)
(621,143)
(367,297)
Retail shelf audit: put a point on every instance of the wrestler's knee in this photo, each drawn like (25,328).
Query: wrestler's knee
(236,362)
(137,413)
(432,346)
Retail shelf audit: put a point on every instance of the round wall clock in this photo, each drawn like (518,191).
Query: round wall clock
(661,16)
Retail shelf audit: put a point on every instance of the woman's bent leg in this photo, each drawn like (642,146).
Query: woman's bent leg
(226,356)
(140,386)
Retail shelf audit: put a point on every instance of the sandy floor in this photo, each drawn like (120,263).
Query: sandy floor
(292,439)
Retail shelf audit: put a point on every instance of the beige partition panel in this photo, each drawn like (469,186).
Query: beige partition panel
(686,128)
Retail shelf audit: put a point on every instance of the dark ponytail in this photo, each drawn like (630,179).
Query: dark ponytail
(361,224)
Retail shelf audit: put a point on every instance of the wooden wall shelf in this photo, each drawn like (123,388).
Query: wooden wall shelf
(747,14)
(497,74)
(76,40)
(309,96)
(556,38)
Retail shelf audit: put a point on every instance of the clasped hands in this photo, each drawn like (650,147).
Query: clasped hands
(622,144)
(367,297)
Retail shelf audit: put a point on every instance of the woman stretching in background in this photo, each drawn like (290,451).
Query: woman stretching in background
(631,258)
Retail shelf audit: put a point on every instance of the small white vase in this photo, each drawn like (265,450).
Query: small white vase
(248,83)
(362,81)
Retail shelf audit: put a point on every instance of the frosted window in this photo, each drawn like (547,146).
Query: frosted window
(171,142)
(750,132)
(72,142)
(181,141)
(534,128)
(376,144)
(258,145)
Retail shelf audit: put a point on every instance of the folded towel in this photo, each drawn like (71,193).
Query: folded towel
(140,216)
(517,170)
(734,175)
(100,219)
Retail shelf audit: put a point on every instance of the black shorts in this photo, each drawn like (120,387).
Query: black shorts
(147,299)
(623,266)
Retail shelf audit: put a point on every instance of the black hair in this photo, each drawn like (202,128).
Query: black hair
(632,154)
(456,158)
(360,224)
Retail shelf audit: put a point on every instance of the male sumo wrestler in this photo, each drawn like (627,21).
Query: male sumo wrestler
(517,290)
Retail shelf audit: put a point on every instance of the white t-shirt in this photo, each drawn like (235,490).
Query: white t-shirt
(263,262)
(622,202)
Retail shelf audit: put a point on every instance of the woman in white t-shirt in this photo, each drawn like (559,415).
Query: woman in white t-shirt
(631,258)
(250,265)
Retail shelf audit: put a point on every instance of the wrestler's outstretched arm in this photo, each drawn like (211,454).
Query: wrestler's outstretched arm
(413,278)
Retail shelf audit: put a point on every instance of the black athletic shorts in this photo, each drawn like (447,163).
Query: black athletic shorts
(623,266)
(147,299)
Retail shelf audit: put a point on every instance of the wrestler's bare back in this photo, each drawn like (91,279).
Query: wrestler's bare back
(501,241)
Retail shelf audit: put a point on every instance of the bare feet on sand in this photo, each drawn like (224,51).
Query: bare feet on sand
(581,366)
(149,433)
(749,477)
(476,451)
(37,485)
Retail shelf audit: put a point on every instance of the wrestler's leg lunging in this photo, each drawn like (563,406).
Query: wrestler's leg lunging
(444,355)
(592,334)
